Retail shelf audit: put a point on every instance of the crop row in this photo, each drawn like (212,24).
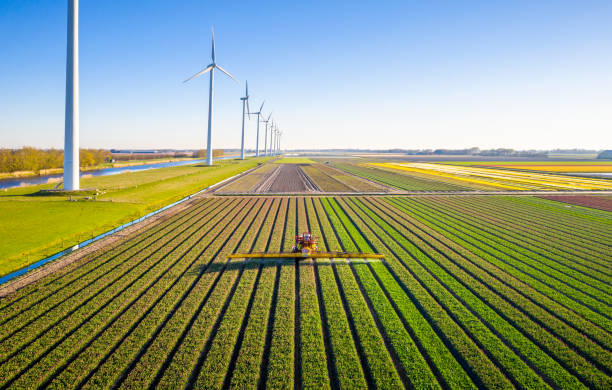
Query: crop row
(577,223)
(86,299)
(505,319)
(22,299)
(352,181)
(324,181)
(76,329)
(120,270)
(553,267)
(583,258)
(462,299)
(510,262)
(400,180)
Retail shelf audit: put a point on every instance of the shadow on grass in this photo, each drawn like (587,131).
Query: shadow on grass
(266,262)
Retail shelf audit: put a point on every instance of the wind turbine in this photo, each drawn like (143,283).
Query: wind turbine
(258,113)
(245,101)
(266,139)
(211,68)
(276,139)
(71,124)
(272,138)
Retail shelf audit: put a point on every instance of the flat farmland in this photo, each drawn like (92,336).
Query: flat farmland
(596,202)
(600,166)
(272,178)
(252,181)
(291,178)
(505,179)
(276,178)
(331,179)
(406,181)
(474,292)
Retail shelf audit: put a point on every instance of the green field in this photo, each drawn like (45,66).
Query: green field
(32,227)
(475,292)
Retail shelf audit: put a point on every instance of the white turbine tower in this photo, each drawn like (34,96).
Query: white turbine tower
(71,129)
(266,139)
(277,134)
(245,102)
(258,113)
(211,68)
(271,138)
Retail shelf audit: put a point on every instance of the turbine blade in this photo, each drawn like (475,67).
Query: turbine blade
(262,103)
(208,68)
(248,109)
(213,44)
(247,88)
(227,73)
(269,116)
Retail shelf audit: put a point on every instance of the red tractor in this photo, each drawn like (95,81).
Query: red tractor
(306,248)
(304,243)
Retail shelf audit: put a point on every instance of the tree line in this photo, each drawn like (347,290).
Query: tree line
(33,159)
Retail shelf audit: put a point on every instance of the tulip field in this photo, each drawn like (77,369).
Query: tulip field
(503,179)
(473,292)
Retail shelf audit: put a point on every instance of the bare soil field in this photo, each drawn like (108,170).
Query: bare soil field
(272,178)
(596,202)
(298,178)
(291,178)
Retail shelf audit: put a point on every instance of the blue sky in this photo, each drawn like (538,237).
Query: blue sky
(358,74)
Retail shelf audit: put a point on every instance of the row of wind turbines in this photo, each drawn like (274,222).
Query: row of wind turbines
(273,148)
(71,128)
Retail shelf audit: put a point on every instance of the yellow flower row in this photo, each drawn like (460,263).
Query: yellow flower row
(510,180)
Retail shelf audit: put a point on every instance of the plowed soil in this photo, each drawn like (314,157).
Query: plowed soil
(596,202)
(291,178)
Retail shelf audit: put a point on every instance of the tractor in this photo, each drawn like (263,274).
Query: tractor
(305,247)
